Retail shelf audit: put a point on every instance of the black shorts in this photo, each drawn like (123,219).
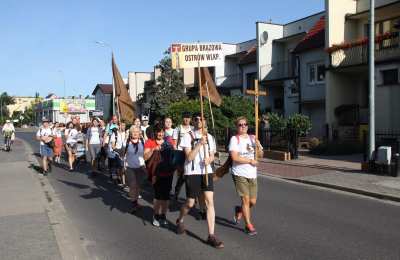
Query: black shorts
(163,187)
(196,184)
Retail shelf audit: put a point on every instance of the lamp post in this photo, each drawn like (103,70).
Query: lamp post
(104,44)
(371,79)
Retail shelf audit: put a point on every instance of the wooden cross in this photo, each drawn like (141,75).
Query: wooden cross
(256,93)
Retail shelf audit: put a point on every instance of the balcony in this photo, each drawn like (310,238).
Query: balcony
(230,81)
(387,47)
(277,71)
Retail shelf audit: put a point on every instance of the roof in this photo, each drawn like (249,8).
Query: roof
(105,88)
(245,57)
(314,39)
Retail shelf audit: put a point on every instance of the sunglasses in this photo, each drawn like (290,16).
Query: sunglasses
(197,119)
(242,125)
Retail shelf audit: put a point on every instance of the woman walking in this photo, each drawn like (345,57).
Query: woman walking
(58,142)
(93,143)
(71,134)
(159,150)
(135,166)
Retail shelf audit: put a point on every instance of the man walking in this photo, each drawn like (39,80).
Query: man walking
(199,150)
(45,136)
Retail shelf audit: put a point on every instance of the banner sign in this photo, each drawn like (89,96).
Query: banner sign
(193,55)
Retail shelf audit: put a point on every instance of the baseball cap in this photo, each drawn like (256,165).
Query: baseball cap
(186,114)
(145,118)
(44,119)
(8,121)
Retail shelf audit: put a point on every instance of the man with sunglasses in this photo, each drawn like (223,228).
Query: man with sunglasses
(242,149)
(199,148)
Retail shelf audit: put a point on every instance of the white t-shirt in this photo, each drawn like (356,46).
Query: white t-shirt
(197,165)
(8,128)
(44,132)
(144,128)
(246,148)
(179,133)
(57,132)
(72,135)
(121,140)
(94,135)
(135,159)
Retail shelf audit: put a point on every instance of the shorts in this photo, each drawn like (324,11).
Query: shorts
(46,151)
(196,185)
(163,187)
(94,150)
(71,147)
(245,187)
(136,176)
(115,163)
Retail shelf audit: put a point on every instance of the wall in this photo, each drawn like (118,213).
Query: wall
(316,113)
(311,91)
(136,82)
(302,25)
(246,69)
(363,5)
(335,21)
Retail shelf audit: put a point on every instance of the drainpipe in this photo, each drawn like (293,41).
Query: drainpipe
(299,81)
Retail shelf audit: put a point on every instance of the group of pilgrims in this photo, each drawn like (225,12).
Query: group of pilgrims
(156,154)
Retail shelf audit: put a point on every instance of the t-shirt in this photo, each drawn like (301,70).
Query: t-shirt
(246,148)
(179,133)
(44,132)
(143,129)
(93,135)
(72,135)
(8,128)
(134,158)
(197,165)
(169,132)
(120,141)
(57,132)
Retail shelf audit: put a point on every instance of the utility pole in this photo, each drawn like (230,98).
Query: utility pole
(371,79)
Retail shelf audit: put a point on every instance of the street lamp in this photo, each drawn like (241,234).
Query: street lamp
(104,44)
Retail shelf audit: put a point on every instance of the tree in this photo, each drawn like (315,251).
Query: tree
(168,88)
(5,100)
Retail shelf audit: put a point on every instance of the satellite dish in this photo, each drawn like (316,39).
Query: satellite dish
(264,37)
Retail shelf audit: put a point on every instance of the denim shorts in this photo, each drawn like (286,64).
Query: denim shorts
(46,151)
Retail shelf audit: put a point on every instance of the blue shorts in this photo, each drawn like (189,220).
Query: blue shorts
(46,151)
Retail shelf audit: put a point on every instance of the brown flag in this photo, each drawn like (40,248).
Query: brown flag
(126,107)
(207,82)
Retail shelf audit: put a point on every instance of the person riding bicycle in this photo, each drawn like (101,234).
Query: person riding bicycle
(8,132)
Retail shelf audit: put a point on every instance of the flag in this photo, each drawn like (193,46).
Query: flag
(126,108)
(207,82)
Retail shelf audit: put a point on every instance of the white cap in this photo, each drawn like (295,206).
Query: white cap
(8,121)
(145,118)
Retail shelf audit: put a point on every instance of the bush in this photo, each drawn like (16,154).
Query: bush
(337,148)
(314,142)
(276,122)
(300,123)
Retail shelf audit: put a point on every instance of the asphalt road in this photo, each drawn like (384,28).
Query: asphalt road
(293,222)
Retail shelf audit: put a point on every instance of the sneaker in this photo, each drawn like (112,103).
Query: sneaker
(71,170)
(180,227)
(238,215)
(45,173)
(250,230)
(156,222)
(163,220)
(215,242)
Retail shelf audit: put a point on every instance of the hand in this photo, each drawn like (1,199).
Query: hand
(207,161)
(203,139)
(153,180)
(253,162)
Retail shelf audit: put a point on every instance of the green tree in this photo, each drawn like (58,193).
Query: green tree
(5,100)
(168,88)
(301,123)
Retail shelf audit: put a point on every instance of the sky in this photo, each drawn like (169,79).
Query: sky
(44,43)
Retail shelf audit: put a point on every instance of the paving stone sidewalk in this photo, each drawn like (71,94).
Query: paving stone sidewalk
(339,172)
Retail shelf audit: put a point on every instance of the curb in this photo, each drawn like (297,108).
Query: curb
(337,187)
(67,237)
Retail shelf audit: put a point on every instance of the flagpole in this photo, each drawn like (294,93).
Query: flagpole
(202,114)
(212,117)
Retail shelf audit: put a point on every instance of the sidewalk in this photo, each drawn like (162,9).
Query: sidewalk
(25,229)
(33,222)
(336,172)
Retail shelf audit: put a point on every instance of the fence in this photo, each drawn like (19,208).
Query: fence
(283,140)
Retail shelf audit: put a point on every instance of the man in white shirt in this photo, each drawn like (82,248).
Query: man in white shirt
(242,149)
(144,126)
(178,135)
(199,149)
(45,136)
(8,131)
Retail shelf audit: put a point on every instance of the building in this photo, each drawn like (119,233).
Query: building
(103,98)
(63,109)
(347,93)
(21,104)
(136,82)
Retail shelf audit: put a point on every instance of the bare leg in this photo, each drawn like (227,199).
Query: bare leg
(185,209)
(246,210)
(209,201)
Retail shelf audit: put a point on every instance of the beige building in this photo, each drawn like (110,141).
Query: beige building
(21,104)
(347,89)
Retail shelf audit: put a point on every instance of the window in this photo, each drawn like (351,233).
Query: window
(316,73)
(390,77)
(250,79)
